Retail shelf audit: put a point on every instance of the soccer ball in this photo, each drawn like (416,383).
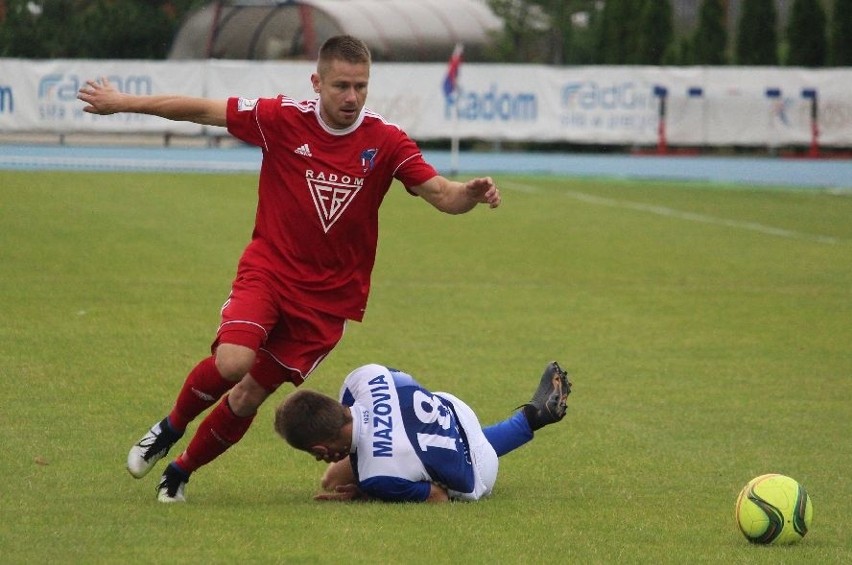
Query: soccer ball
(774,509)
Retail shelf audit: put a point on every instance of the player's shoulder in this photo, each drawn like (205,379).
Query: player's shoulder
(373,118)
(279,103)
(288,103)
(367,372)
(358,383)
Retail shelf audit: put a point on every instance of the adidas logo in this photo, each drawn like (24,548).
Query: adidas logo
(304,150)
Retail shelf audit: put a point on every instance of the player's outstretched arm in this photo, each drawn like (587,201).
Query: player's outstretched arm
(103,98)
(455,197)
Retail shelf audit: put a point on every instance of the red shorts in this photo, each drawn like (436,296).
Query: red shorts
(290,339)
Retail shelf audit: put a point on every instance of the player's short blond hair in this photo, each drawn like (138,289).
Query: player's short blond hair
(343,48)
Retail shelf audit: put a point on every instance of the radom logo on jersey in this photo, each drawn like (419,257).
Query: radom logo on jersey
(332,194)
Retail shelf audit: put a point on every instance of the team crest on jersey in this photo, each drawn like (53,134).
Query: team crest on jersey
(332,194)
(367,158)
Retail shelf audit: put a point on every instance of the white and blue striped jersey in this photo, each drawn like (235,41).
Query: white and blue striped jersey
(406,437)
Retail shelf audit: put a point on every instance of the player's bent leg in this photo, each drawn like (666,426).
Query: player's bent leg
(510,434)
(247,396)
(221,429)
(226,425)
(234,360)
(202,388)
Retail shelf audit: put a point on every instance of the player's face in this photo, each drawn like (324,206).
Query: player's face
(342,89)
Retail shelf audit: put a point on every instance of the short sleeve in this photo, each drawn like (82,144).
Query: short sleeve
(412,170)
(245,116)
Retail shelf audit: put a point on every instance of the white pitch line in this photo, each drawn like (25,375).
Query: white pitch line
(679,214)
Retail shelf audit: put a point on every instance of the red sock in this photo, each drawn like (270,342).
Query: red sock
(202,388)
(217,432)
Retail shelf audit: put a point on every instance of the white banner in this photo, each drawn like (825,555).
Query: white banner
(704,106)
(41,96)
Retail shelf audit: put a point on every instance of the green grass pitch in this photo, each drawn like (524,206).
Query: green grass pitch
(707,330)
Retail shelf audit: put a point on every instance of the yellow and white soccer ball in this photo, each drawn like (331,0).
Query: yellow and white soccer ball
(774,509)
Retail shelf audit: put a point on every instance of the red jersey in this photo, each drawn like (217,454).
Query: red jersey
(316,229)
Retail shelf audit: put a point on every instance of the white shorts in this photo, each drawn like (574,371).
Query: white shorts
(482,455)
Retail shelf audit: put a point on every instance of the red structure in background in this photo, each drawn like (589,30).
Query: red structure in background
(662,93)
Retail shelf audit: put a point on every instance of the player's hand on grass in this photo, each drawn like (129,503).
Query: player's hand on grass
(342,493)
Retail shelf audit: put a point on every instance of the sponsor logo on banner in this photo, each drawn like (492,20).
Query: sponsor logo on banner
(492,105)
(780,110)
(57,95)
(7,100)
(617,106)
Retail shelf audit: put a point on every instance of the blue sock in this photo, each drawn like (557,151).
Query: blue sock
(510,434)
(171,428)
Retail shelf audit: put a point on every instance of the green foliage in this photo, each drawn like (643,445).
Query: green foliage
(577,42)
(582,48)
(757,37)
(840,34)
(683,52)
(618,39)
(710,41)
(806,34)
(636,32)
(92,29)
(703,353)
(525,30)
(655,32)
(559,30)
(541,31)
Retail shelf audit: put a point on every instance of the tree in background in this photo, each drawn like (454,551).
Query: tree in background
(757,38)
(618,38)
(710,40)
(584,19)
(94,29)
(654,33)
(573,30)
(806,34)
(557,32)
(30,30)
(560,29)
(840,34)
(525,32)
(129,30)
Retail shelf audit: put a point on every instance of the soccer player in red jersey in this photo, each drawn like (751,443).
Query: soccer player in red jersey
(327,165)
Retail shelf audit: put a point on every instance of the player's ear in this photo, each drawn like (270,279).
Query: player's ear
(315,82)
(319,452)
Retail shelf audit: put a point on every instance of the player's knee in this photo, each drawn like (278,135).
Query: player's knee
(234,361)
